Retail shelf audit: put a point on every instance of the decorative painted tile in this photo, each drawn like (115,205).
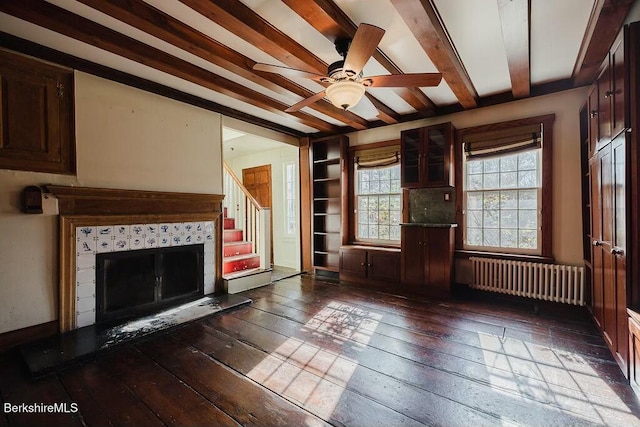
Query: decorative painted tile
(151,242)
(199,238)
(164,228)
(136,242)
(136,230)
(199,227)
(85,233)
(189,239)
(85,290)
(176,240)
(105,231)
(176,228)
(86,247)
(208,227)
(189,228)
(104,244)
(164,241)
(85,261)
(121,244)
(85,319)
(85,276)
(151,229)
(121,231)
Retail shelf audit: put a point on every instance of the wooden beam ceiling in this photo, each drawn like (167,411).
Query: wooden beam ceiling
(516,28)
(146,18)
(605,22)
(64,22)
(240,20)
(423,20)
(326,17)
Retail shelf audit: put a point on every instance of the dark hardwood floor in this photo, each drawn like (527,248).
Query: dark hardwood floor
(312,352)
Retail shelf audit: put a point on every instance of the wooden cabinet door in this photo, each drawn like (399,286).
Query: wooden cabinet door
(353,261)
(383,266)
(618,115)
(592,103)
(439,243)
(608,259)
(411,158)
(413,258)
(597,279)
(604,106)
(618,250)
(634,353)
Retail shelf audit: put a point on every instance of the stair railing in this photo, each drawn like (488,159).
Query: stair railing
(253,219)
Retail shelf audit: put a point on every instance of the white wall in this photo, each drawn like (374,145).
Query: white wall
(125,138)
(286,248)
(566,215)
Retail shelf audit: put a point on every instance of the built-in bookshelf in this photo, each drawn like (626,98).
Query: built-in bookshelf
(327,157)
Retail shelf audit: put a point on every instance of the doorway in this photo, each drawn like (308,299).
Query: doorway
(257,180)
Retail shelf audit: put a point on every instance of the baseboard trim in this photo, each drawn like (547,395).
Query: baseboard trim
(11,339)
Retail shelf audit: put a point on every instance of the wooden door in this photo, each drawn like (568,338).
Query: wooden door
(593,118)
(413,259)
(604,106)
(618,77)
(257,181)
(439,243)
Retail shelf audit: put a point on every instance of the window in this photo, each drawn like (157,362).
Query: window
(502,202)
(290,198)
(505,169)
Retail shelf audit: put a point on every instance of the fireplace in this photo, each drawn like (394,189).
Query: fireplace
(109,223)
(133,283)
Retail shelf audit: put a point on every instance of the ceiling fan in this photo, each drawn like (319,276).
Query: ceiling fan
(344,80)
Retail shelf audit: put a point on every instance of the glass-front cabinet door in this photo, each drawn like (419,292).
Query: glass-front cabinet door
(437,140)
(411,156)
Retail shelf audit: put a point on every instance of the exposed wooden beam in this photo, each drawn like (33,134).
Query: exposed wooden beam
(251,27)
(385,113)
(605,22)
(64,22)
(514,17)
(326,17)
(423,20)
(146,18)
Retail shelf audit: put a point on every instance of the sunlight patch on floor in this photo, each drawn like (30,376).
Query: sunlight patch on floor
(561,379)
(310,375)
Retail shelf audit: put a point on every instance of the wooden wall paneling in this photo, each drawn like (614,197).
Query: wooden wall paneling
(632,47)
(306,201)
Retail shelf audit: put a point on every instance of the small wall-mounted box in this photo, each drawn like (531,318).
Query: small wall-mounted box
(32,200)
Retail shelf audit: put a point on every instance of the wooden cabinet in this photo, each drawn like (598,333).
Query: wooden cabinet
(427,259)
(609,166)
(634,350)
(327,169)
(427,156)
(36,115)
(371,266)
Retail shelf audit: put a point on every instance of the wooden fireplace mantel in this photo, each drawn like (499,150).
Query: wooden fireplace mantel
(107,201)
(85,206)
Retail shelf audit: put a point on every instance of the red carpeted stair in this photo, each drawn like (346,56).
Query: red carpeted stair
(238,254)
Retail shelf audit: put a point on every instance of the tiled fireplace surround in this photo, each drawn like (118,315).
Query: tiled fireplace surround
(91,240)
(95,220)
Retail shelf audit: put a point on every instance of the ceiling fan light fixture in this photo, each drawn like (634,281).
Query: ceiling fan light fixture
(345,94)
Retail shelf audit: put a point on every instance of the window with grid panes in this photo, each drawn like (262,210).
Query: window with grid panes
(379,203)
(502,202)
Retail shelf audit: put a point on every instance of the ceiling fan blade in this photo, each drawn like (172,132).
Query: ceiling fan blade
(305,102)
(364,44)
(405,80)
(286,71)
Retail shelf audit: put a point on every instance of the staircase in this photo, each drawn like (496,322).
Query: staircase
(238,254)
(246,240)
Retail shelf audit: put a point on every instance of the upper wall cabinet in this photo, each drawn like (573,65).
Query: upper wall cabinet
(427,156)
(36,116)
(608,116)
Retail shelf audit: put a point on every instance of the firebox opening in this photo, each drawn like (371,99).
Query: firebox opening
(134,283)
